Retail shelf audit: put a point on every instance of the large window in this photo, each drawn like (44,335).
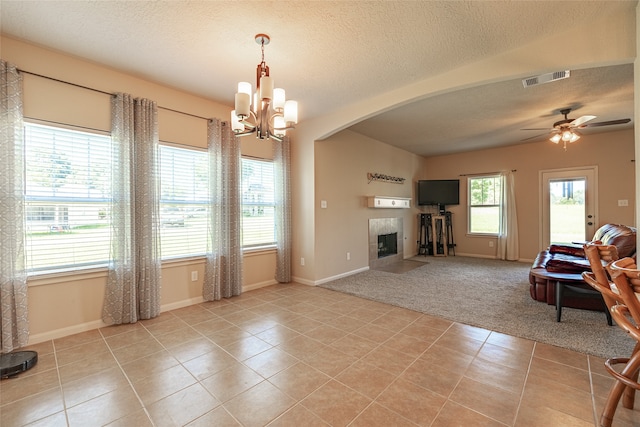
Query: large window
(484,204)
(258,203)
(67,190)
(184,194)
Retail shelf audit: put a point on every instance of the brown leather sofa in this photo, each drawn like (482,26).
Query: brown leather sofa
(569,261)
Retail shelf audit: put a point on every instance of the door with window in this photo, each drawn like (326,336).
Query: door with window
(569,205)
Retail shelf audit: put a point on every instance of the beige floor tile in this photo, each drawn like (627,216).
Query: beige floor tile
(182,407)
(246,348)
(407,344)
(209,363)
(125,336)
(92,386)
(178,336)
(137,350)
(76,339)
(330,361)
(493,374)
(366,379)
(454,415)
(149,365)
(277,334)
(389,359)
(557,396)
(510,342)
(446,358)
(232,381)
(335,403)
(259,405)
(505,356)
(162,384)
(105,408)
(192,349)
(376,415)
(218,417)
(432,377)
(415,403)
(301,347)
(354,345)
(36,407)
(561,355)
(271,362)
(138,418)
(536,415)
(93,349)
(565,374)
(85,367)
(299,380)
(493,402)
(298,416)
(17,388)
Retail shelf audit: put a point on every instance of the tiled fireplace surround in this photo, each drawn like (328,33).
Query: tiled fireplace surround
(379,226)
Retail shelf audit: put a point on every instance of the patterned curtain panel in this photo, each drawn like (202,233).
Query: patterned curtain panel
(508,246)
(282,163)
(14,326)
(133,285)
(223,268)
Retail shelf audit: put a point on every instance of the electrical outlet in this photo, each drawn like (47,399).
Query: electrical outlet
(348,256)
(302,261)
(194,275)
(490,243)
(623,202)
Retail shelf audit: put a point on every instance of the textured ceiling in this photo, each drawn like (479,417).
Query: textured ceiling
(331,54)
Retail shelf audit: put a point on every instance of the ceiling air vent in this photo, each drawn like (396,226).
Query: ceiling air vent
(545,78)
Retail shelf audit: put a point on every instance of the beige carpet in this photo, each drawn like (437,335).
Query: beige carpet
(491,294)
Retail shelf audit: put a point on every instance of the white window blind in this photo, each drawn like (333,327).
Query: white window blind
(258,203)
(67,191)
(184,183)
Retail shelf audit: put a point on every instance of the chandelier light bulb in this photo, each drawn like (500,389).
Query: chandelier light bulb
(291,111)
(278,99)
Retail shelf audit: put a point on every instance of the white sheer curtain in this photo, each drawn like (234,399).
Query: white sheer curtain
(282,163)
(223,268)
(133,286)
(508,247)
(14,324)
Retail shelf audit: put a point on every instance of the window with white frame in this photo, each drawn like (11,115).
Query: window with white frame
(258,203)
(184,194)
(67,194)
(484,204)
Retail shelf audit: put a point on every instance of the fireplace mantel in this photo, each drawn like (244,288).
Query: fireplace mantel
(389,202)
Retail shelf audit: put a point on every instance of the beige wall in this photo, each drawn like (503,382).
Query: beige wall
(341,166)
(612,152)
(64,304)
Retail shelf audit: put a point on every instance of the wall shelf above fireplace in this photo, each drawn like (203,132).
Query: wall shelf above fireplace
(388,202)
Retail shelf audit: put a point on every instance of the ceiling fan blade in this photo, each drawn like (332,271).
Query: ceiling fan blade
(610,122)
(581,120)
(547,129)
(534,137)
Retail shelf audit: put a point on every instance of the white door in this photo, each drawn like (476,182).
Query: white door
(569,205)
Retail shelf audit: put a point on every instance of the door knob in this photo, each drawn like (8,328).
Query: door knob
(589,223)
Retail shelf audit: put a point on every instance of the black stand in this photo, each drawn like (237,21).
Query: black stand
(426,234)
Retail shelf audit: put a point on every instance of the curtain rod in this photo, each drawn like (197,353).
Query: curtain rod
(103,92)
(486,173)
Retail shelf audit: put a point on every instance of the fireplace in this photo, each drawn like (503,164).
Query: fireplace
(385,241)
(387,244)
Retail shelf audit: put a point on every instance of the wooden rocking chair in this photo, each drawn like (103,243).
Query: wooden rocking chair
(626,278)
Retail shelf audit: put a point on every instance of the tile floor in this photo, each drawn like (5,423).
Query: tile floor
(294,355)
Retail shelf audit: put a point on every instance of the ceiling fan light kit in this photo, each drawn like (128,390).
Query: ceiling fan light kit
(269,114)
(565,130)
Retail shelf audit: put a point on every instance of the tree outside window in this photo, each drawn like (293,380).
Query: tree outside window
(485,193)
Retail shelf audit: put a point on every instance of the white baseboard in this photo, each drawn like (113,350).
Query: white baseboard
(259,285)
(63,332)
(340,276)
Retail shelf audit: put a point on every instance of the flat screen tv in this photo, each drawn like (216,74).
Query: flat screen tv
(440,192)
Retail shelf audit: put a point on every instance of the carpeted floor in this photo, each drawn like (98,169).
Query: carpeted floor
(491,294)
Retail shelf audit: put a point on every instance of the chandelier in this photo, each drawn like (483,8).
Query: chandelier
(268,114)
(565,134)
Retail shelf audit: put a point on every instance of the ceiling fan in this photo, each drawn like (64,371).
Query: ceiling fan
(565,130)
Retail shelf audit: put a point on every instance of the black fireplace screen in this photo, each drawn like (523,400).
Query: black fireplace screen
(387,244)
